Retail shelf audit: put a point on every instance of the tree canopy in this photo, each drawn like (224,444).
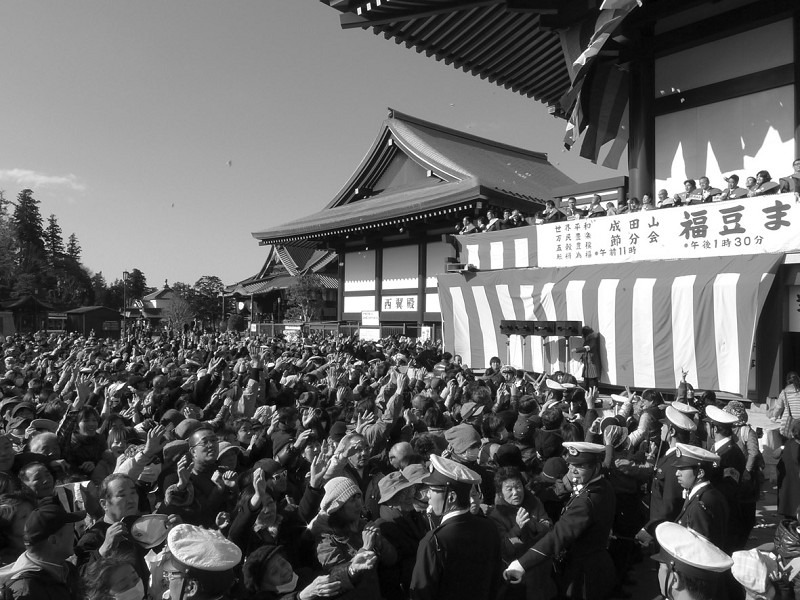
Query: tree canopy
(304,298)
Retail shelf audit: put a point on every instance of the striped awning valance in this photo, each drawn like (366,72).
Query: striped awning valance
(655,319)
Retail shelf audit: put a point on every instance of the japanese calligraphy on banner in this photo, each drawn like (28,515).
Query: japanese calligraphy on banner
(398,303)
(762,225)
(794,307)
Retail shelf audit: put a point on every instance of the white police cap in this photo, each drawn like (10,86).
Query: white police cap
(693,456)
(583,452)
(678,419)
(202,549)
(685,408)
(445,471)
(719,416)
(689,552)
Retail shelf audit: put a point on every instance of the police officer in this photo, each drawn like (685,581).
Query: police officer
(692,568)
(580,537)
(705,509)
(666,494)
(461,557)
(202,564)
(732,463)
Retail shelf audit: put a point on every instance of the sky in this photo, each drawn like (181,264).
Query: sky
(164,133)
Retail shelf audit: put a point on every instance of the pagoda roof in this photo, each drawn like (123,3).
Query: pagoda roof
(415,170)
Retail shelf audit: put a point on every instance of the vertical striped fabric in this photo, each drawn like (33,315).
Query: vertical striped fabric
(507,249)
(655,319)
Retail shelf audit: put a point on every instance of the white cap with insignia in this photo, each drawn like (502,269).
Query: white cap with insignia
(678,419)
(579,453)
(552,384)
(445,471)
(690,553)
(719,416)
(685,408)
(693,456)
(202,549)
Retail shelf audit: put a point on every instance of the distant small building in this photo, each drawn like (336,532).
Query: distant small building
(153,307)
(104,322)
(29,314)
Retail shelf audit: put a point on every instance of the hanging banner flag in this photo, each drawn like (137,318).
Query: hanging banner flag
(762,225)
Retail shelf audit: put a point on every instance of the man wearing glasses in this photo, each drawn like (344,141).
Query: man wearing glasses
(199,491)
(461,557)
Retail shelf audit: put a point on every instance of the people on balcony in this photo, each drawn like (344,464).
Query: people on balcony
(493,222)
(664,200)
(691,194)
(706,191)
(572,211)
(791,183)
(551,214)
(764,185)
(733,191)
(596,208)
(466,226)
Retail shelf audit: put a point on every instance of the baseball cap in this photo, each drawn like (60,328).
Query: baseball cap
(47,519)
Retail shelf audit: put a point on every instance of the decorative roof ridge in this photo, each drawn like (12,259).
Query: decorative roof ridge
(423,152)
(400,116)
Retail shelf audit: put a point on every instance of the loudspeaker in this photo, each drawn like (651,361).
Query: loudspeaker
(517,327)
(544,328)
(568,328)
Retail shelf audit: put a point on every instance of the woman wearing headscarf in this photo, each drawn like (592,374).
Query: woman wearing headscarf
(521,521)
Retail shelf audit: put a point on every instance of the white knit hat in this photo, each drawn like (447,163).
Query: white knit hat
(338,491)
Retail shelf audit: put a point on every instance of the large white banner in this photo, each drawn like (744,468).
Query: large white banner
(760,225)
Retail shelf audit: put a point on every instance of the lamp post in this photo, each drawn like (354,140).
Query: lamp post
(125,275)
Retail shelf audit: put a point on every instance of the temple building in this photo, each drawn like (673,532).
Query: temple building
(389,225)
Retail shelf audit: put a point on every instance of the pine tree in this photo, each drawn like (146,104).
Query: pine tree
(137,285)
(30,232)
(73,247)
(54,243)
(100,288)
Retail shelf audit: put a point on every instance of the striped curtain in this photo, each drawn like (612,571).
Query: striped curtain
(655,319)
(507,249)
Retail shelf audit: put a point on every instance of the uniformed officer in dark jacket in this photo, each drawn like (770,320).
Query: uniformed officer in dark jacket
(732,463)
(461,557)
(705,509)
(666,494)
(579,539)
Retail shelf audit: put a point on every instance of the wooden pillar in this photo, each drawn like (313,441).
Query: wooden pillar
(340,290)
(796,55)
(422,254)
(378,277)
(641,144)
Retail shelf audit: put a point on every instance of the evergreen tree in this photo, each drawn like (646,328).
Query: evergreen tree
(100,288)
(304,298)
(8,249)
(54,243)
(137,285)
(73,247)
(30,232)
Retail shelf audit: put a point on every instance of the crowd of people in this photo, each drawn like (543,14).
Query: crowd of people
(216,466)
(694,192)
(492,222)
